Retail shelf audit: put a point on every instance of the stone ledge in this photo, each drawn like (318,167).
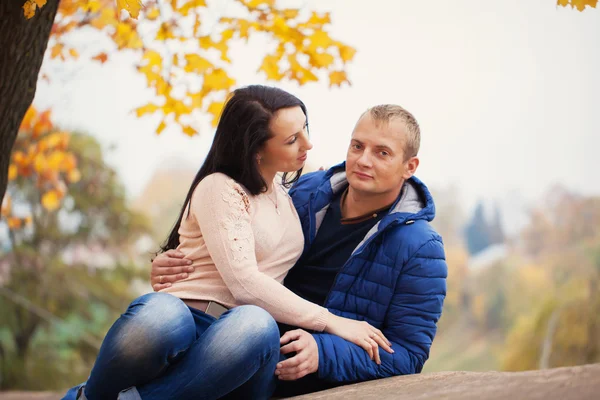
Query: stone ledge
(581,382)
(569,383)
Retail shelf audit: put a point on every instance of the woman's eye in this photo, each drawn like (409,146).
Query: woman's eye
(293,140)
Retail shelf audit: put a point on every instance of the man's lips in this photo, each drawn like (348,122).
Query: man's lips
(362,175)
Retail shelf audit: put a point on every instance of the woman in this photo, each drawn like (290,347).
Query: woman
(205,337)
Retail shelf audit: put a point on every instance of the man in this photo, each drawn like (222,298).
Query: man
(370,254)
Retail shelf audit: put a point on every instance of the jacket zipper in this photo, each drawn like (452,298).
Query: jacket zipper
(359,251)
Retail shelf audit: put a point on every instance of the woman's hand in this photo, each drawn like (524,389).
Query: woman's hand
(169,267)
(360,333)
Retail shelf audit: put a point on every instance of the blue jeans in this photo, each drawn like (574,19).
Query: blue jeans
(162,349)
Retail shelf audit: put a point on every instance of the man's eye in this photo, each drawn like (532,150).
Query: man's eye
(384,153)
(356,146)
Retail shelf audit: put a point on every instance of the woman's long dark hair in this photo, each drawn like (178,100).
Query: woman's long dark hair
(242,131)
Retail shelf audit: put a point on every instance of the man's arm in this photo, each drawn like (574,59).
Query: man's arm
(169,267)
(410,324)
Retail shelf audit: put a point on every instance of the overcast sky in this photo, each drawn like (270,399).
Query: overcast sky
(507,94)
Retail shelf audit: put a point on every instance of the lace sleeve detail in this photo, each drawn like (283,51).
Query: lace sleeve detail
(235,221)
(224,212)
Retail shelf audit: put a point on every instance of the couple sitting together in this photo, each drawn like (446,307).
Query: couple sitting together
(278,286)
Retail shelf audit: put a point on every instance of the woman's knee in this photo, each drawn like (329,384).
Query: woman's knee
(256,324)
(157,322)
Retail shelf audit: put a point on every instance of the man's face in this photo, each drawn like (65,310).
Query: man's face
(375,163)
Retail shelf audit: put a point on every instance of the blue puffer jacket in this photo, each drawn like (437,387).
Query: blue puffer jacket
(395,280)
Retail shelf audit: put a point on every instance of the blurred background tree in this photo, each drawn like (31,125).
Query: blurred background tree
(69,267)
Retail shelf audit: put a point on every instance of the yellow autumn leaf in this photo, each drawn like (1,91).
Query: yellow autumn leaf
(40,163)
(146,109)
(337,78)
(192,4)
(578,4)
(69,162)
(215,109)
(152,14)
(102,57)
(346,52)
(27,220)
(270,66)
(6,205)
(321,60)
(188,130)
(316,19)
(258,3)
(55,160)
(131,6)
(165,32)
(28,119)
(93,6)
(14,223)
(195,63)
(12,172)
(74,176)
(217,80)
(153,58)
(29,9)
(290,13)
(51,200)
(56,50)
(319,40)
(161,128)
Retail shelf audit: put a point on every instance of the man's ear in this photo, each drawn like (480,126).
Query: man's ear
(410,167)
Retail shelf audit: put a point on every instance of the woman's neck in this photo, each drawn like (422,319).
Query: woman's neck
(269,177)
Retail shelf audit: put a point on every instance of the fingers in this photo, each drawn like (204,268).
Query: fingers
(171,272)
(295,346)
(166,278)
(293,362)
(367,346)
(381,335)
(375,348)
(291,374)
(289,336)
(383,343)
(160,286)
(174,253)
(171,258)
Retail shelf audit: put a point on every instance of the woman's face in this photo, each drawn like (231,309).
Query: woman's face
(286,151)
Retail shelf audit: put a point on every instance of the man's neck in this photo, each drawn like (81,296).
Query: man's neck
(358,203)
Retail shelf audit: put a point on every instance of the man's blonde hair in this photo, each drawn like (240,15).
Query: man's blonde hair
(385,113)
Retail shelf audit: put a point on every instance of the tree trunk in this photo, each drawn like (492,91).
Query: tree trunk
(23,43)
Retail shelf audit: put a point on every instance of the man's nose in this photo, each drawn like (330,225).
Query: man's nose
(365,159)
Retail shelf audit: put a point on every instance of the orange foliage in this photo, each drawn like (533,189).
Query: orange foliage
(174,48)
(40,154)
(578,4)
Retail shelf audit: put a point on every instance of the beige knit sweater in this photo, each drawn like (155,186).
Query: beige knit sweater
(242,249)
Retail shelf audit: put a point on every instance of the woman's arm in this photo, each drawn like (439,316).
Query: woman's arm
(221,208)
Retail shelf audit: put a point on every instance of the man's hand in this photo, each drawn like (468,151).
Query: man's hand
(306,360)
(169,267)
